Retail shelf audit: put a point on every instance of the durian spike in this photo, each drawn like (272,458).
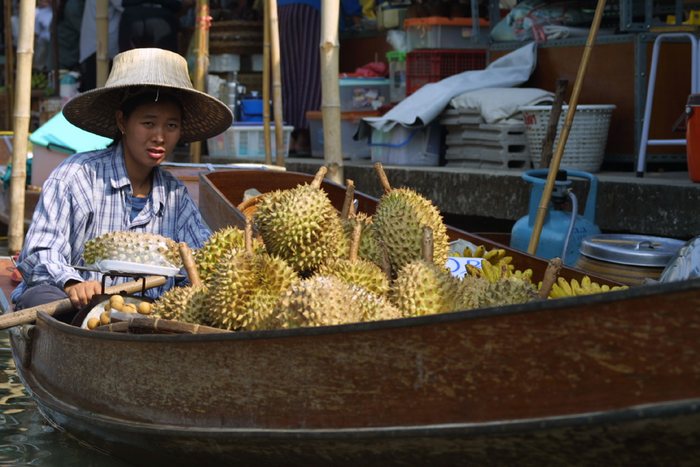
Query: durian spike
(379,168)
(319,177)
(248,236)
(190,265)
(349,195)
(550,277)
(355,244)
(427,244)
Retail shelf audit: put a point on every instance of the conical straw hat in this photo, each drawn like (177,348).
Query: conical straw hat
(203,116)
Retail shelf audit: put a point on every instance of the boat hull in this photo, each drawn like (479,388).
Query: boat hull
(612,378)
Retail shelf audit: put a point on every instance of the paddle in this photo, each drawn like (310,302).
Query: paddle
(28,315)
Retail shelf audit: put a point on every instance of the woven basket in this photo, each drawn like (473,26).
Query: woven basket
(585,146)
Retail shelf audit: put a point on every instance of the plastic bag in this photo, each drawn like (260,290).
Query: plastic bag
(685,265)
(542,20)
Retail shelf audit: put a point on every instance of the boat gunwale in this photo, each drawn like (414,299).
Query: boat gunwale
(415,321)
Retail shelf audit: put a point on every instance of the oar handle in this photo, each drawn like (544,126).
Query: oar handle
(28,315)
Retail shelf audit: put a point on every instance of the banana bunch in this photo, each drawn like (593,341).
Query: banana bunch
(496,256)
(495,272)
(563,288)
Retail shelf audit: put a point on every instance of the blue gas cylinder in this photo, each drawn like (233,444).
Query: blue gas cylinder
(562,231)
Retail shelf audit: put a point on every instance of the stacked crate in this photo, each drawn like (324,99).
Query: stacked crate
(472,143)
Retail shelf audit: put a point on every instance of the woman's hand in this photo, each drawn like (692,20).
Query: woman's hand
(80,293)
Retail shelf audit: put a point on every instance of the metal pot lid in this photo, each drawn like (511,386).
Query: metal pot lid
(634,250)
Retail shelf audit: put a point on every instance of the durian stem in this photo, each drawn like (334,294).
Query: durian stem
(355,244)
(249,236)
(428,244)
(386,263)
(550,277)
(319,177)
(349,196)
(382,177)
(190,265)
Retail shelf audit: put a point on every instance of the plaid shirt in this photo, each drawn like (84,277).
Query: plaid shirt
(86,196)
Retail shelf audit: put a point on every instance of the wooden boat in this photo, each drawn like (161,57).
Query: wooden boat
(594,380)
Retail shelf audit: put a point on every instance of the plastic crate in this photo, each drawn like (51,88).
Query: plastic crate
(431,66)
(244,141)
(407,146)
(363,94)
(437,32)
(349,122)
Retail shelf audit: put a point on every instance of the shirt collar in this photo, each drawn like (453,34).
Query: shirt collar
(120,179)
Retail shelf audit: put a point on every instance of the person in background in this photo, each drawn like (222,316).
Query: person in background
(88,40)
(42,35)
(147,105)
(69,18)
(151,23)
(300,57)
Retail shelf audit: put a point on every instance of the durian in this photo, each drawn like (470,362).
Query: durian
(481,293)
(327,301)
(355,270)
(246,287)
(134,247)
(423,287)
(301,226)
(222,241)
(399,220)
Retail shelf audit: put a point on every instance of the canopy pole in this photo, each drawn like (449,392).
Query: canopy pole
(556,161)
(202,63)
(330,89)
(9,64)
(102,33)
(276,83)
(266,83)
(23,96)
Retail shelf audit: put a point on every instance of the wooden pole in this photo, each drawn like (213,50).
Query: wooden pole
(551,133)
(330,89)
(9,65)
(556,161)
(102,33)
(202,63)
(266,83)
(23,97)
(276,82)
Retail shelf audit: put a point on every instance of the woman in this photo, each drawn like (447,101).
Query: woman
(147,105)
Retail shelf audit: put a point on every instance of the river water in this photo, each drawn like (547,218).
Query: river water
(25,437)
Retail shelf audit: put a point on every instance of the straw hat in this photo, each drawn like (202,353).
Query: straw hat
(203,116)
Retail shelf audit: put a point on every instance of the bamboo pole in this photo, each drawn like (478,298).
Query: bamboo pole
(556,161)
(330,89)
(276,82)
(202,63)
(23,96)
(266,83)
(9,65)
(102,33)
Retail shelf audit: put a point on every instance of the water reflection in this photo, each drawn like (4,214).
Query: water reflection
(25,437)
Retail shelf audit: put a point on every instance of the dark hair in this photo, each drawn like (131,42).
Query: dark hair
(142,96)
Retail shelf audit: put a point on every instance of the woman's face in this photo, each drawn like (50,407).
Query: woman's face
(150,133)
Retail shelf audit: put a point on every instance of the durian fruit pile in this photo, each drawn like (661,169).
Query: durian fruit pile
(313,266)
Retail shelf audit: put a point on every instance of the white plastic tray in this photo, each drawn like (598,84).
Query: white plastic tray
(106,266)
(117,315)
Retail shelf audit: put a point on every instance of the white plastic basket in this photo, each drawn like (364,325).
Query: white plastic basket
(246,142)
(585,146)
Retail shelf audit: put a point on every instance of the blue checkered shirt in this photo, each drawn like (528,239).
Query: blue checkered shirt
(86,196)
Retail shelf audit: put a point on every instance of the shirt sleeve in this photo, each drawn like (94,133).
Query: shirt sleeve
(46,256)
(191,228)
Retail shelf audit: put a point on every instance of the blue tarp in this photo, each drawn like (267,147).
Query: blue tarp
(61,135)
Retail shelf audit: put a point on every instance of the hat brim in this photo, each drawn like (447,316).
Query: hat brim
(203,116)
